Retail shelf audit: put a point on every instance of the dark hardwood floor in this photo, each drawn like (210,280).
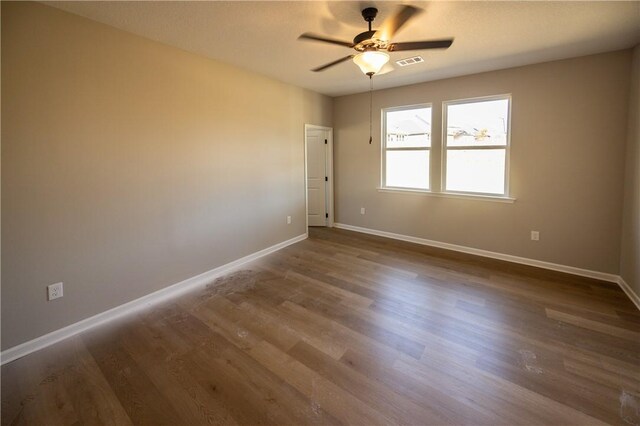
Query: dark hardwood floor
(350,328)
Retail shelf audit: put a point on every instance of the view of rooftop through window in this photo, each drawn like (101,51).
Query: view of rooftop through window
(478,123)
(409,128)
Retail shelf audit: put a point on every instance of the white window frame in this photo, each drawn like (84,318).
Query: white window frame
(384,149)
(445,148)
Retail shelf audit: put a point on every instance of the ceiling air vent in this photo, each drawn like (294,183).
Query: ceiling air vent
(410,61)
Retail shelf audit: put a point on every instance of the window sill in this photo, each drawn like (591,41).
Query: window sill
(496,199)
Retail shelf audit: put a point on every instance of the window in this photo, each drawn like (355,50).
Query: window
(476,146)
(473,149)
(406,147)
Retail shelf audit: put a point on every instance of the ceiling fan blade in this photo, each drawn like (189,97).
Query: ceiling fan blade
(330,64)
(418,45)
(392,24)
(310,36)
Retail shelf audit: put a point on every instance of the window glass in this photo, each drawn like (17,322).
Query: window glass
(476,170)
(409,128)
(483,123)
(408,169)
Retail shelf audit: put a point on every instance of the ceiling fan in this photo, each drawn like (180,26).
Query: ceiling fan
(371,46)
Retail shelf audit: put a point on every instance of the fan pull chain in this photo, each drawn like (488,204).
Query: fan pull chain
(370,109)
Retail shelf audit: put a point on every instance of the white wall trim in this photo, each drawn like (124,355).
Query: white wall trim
(143,302)
(485,253)
(476,197)
(629,292)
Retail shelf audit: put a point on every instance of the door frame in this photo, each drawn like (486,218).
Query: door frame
(329,171)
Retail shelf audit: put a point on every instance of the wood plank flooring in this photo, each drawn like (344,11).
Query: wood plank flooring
(346,328)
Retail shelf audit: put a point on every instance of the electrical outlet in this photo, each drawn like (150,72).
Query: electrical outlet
(288,220)
(54,291)
(362,210)
(535,236)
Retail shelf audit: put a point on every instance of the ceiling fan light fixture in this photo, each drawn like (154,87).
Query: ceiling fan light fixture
(371,61)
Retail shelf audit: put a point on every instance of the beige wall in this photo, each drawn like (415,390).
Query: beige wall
(128,165)
(630,255)
(567,163)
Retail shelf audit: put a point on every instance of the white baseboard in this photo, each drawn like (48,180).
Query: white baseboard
(629,292)
(137,304)
(485,253)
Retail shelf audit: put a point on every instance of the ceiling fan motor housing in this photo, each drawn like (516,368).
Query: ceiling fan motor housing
(369,14)
(365,41)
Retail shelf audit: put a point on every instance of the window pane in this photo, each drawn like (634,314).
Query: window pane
(408,169)
(409,128)
(478,123)
(476,170)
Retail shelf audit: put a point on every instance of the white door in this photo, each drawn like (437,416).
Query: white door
(317,176)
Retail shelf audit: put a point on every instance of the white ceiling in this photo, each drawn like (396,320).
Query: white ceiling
(262,36)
